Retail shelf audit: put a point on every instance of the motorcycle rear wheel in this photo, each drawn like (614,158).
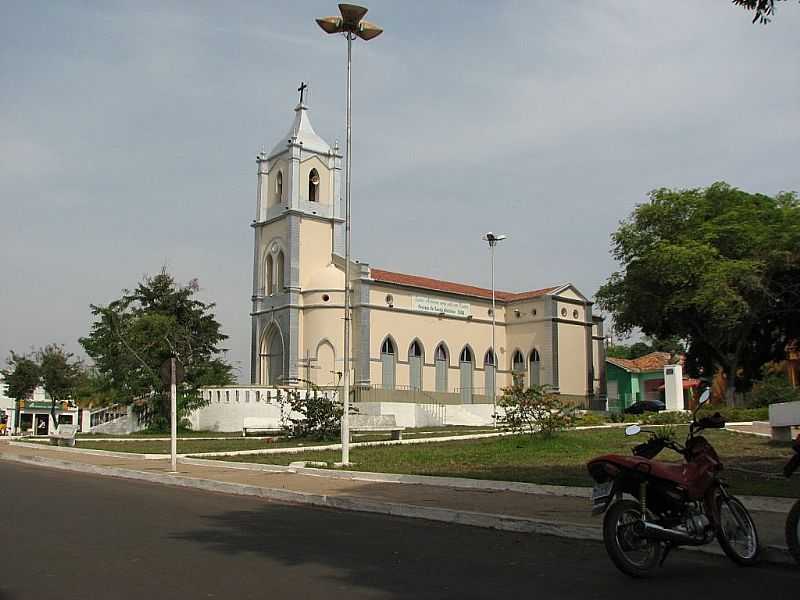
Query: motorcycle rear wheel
(793,531)
(632,554)
(736,531)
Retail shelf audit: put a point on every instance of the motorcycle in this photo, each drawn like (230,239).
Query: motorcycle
(793,520)
(675,504)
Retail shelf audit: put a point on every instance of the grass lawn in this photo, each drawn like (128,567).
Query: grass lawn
(154,434)
(239,443)
(560,460)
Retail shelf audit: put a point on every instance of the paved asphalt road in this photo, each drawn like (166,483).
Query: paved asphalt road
(67,535)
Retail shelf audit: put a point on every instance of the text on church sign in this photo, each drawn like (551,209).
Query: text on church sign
(434,305)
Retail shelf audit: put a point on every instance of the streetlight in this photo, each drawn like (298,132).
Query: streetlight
(351,24)
(493,239)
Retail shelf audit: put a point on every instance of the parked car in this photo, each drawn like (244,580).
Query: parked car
(643,406)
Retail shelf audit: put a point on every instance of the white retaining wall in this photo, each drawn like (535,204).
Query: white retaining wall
(408,414)
(228,406)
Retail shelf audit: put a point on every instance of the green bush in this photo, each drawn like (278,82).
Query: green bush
(591,418)
(665,418)
(534,410)
(772,389)
(320,417)
(732,415)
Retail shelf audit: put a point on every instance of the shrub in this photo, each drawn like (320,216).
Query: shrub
(665,418)
(320,416)
(772,389)
(588,419)
(534,410)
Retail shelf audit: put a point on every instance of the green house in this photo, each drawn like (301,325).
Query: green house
(628,381)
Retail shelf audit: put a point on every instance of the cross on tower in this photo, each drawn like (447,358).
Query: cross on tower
(302,89)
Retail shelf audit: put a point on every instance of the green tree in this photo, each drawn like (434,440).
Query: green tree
(717,267)
(60,374)
(133,336)
(762,9)
(21,376)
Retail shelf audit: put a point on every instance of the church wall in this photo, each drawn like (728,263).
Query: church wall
(275,232)
(321,323)
(572,358)
(315,250)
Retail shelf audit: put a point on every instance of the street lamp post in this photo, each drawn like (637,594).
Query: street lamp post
(493,239)
(351,23)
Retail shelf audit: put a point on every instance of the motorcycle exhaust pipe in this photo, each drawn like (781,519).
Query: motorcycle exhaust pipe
(652,531)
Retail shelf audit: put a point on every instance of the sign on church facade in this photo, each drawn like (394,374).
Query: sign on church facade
(437,306)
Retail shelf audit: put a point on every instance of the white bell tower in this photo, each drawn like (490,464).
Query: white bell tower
(299,224)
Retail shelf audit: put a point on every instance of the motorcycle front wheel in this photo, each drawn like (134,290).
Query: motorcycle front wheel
(632,554)
(793,531)
(736,531)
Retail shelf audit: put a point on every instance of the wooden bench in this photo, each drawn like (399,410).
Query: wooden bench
(375,424)
(262,424)
(784,420)
(64,435)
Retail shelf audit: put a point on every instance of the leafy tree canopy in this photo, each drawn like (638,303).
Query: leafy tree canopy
(762,9)
(133,336)
(717,267)
(672,345)
(21,376)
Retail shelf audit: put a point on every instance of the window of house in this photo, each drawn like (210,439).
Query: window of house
(279,187)
(466,355)
(387,347)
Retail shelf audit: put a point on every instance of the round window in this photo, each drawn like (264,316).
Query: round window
(489,312)
(389,299)
(563,312)
(534,312)
(575,314)
(325,297)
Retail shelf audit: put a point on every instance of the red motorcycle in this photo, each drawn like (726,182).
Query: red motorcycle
(675,504)
(793,520)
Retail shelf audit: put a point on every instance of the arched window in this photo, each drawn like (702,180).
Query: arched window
(535,364)
(387,363)
(465,368)
(415,365)
(442,363)
(313,186)
(268,267)
(279,265)
(279,187)
(518,366)
(490,373)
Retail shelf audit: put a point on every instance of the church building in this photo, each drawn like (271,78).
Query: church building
(409,332)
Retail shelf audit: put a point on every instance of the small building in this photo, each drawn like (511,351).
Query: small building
(631,380)
(34,414)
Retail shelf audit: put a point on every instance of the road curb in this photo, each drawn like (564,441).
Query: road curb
(755,503)
(91,451)
(770,554)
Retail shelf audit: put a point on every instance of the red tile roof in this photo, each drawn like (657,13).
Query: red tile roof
(655,361)
(453,288)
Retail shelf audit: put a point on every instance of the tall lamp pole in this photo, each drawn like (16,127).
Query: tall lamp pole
(351,23)
(493,239)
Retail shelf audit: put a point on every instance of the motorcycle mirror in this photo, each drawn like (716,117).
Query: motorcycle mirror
(632,429)
(704,397)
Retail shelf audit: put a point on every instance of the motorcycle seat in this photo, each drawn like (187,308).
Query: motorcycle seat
(669,471)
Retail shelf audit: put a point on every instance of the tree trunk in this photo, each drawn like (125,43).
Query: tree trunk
(730,383)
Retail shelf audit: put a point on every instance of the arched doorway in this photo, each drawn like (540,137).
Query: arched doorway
(466,366)
(518,367)
(388,353)
(415,360)
(490,374)
(271,357)
(442,360)
(535,367)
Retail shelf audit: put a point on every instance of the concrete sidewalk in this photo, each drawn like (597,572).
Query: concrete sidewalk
(506,509)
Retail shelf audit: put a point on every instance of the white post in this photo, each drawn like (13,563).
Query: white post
(494,348)
(346,366)
(173,402)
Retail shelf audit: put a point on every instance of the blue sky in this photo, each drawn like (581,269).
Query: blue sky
(128,132)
